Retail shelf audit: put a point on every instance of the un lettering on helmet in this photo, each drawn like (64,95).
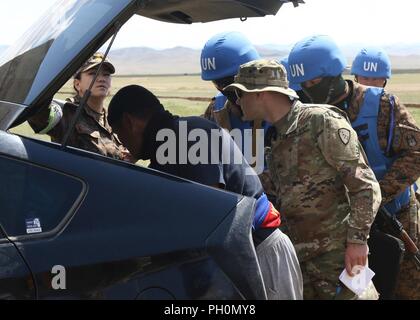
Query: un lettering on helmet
(372,62)
(370,66)
(224,53)
(208,63)
(297,70)
(313,57)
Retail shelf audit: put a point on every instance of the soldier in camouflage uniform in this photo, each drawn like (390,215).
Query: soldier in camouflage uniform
(386,129)
(220,60)
(92,131)
(317,166)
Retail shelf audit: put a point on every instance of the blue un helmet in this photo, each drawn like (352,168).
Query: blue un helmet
(285,63)
(372,62)
(223,54)
(314,57)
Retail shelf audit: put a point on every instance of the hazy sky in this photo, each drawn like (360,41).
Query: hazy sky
(378,22)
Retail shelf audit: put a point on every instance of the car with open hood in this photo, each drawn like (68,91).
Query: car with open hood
(74,224)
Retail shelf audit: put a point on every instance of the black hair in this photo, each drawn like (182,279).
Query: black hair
(77,76)
(135,100)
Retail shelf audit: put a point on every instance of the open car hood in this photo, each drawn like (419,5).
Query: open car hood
(51,51)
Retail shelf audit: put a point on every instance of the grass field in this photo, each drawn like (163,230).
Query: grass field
(178,88)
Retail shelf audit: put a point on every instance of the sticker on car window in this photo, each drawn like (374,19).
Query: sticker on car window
(33,226)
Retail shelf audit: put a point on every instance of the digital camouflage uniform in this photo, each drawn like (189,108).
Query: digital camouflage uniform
(318,165)
(222,118)
(92,131)
(404,172)
(318,168)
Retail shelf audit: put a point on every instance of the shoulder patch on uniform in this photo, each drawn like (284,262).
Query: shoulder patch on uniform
(344,135)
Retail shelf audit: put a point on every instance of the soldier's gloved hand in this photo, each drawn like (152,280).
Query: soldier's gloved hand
(356,255)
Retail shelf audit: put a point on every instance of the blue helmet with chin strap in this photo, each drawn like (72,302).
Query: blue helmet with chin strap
(372,62)
(314,57)
(285,63)
(223,54)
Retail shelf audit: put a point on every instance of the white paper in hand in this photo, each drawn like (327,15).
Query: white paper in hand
(359,282)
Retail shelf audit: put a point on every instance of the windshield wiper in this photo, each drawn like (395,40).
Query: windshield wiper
(86,95)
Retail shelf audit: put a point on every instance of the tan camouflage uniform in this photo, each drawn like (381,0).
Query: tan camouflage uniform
(318,165)
(404,172)
(92,131)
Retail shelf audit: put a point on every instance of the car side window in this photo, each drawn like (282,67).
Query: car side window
(33,199)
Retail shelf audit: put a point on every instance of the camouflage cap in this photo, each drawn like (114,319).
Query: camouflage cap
(94,61)
(262,75)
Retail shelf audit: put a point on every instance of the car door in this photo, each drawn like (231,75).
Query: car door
(34,201)
(16,280)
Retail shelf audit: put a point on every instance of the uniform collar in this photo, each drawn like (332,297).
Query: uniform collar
(96,116)
(93,113)
(289,123)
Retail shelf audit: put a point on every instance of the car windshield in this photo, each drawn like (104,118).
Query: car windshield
(40,55)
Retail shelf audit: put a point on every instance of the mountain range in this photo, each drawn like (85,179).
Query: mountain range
(182,60)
